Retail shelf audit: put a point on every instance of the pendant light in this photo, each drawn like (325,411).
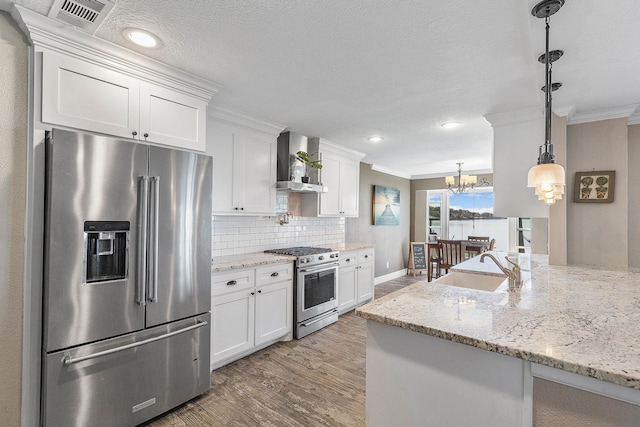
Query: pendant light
(547,177)
(465,182)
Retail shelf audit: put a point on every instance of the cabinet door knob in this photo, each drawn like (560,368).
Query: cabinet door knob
(274,274)
(134,133)
(253,293)
(259,292)
(231,283)
(366,256)
(241,209)
(146,135)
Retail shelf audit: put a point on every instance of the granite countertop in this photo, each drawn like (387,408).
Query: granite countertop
(353,247)
(230,262)
(576,318)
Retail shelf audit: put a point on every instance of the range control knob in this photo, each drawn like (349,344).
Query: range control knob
(304,260)
(333,255)
(320,258)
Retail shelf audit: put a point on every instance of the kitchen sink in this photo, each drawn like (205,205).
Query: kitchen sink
(482,282)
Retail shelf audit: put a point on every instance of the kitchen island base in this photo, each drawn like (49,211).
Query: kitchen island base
(414,379)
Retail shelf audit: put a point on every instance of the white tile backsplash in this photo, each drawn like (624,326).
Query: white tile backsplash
(241,235)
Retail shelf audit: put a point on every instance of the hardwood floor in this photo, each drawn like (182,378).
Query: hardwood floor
(316,381)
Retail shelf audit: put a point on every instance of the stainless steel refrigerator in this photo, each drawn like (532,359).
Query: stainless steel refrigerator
(127,280)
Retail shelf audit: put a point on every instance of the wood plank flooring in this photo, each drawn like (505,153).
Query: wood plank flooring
(316,381)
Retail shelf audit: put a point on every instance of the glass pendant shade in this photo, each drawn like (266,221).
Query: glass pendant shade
(548,180)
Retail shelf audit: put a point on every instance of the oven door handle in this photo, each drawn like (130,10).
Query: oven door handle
(319,268)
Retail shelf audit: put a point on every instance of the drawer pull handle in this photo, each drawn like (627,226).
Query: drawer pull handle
(274,274)
(232,282)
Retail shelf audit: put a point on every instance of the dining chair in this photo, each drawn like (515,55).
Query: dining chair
(492,244)
(433,250)
(450,253)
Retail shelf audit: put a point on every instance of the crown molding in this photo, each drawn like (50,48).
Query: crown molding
(389,171)
(564,110)
(244,120)
(46,33)
(513,117)
(332,146)
(454,173)
(634,119)
(624,111)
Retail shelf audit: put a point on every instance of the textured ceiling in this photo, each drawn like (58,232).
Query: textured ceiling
(345,70)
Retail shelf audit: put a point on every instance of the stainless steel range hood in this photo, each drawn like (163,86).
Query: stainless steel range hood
(291,170)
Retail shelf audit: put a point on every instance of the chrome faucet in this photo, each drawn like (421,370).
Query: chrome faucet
(515,282)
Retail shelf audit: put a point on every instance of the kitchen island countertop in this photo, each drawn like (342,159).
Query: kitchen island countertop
(576,318)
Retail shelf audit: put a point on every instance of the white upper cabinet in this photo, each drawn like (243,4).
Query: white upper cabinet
(172,118)
(341,174)
(87,96)
(244,163)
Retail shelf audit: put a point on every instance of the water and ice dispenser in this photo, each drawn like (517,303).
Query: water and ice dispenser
(106,251)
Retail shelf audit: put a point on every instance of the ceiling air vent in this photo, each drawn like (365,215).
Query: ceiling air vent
(84,14)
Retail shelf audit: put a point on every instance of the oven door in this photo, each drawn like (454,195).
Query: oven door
(317,290)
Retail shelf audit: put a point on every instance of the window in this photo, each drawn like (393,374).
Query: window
(435,208)
(468,214)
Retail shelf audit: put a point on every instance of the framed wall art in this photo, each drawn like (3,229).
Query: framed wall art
(386,205)
(594,187)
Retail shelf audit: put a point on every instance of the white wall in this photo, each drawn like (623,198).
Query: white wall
(597,232)
(516,138)
(13,145)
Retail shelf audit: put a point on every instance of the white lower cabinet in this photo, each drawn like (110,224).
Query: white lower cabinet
(250,309)
(366,265)
(356,278)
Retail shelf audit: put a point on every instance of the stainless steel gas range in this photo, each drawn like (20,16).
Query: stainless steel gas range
(315,288)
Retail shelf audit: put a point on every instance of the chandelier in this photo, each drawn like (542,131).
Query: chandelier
(547,177)
(465,182)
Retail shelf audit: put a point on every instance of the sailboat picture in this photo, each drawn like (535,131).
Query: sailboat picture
(386,205)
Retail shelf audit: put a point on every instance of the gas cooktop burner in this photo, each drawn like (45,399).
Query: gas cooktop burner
(299,251)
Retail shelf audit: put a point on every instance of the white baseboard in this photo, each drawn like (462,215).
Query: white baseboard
(386,277)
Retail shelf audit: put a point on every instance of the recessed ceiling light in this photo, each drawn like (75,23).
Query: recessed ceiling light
(141,37)
(451,125)
(374,139)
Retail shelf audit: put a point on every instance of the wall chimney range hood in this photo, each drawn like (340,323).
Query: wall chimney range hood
(291,170)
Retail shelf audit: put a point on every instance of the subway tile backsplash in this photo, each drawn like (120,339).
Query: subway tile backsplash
(236,235)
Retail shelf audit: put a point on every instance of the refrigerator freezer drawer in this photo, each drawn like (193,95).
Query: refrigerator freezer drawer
(129,379)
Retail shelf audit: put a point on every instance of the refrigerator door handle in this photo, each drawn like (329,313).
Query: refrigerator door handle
(153,239)
(141,248)
(68,360)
